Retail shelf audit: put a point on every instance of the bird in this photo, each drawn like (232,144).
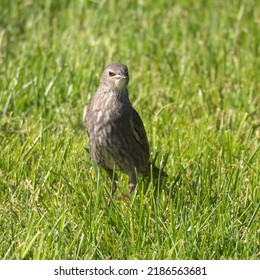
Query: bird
(117,137)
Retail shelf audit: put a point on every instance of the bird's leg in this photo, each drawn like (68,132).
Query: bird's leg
(113,179)
(133,181)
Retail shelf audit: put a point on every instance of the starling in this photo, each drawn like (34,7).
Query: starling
(117,138)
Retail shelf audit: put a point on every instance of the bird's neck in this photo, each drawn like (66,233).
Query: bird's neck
(115,93)
(120,93)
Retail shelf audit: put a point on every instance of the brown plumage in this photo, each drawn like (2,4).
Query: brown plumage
(117,138)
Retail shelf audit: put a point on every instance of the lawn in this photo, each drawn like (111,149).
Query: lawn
(194,79)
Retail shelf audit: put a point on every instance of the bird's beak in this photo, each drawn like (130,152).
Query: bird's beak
(119,77)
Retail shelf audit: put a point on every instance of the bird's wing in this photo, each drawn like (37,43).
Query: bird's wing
(85,119)
(139,132)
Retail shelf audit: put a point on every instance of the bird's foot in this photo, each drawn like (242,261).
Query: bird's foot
(132,188)
(124,197)
(120,197)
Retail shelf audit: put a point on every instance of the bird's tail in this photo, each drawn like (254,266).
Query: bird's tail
(157,172)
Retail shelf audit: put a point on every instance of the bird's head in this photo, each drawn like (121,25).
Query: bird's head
(115,77)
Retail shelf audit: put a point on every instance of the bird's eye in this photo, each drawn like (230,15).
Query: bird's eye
(111,74)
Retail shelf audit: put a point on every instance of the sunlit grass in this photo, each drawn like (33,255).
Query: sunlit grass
(194,79)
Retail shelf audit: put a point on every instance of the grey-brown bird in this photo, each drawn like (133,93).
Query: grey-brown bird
(117,138)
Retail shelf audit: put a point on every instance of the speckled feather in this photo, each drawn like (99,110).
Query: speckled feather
(117,137)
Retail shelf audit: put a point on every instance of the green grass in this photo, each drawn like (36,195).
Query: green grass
(194,70)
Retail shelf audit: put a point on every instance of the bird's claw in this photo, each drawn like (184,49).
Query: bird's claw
(132,188)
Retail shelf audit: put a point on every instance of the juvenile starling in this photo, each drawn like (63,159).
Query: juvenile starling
(117,138)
